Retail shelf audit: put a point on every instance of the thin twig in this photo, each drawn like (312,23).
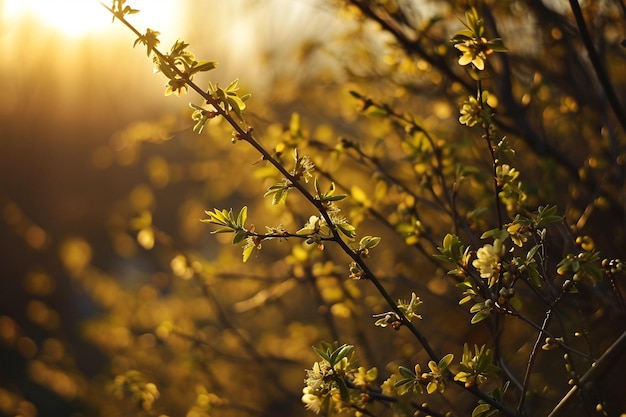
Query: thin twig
(596,62)
(595,372)
(247,136)
(487,127)
(531,361)
(541,329)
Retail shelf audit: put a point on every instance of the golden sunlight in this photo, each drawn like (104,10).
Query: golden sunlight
(71,17)
(76,18)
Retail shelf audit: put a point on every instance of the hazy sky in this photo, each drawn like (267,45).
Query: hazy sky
(67,89)
(237,34)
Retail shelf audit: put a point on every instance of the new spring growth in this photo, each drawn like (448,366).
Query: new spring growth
(408,308)
(473,45)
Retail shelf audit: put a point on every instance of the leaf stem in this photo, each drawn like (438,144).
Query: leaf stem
(247,136)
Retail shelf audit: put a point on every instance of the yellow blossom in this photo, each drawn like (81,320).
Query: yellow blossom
(474,51)
(470,112)
(488,258)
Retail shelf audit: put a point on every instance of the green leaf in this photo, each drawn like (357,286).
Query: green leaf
(200,123)
(477,307)
(465,299)
(221,95)
(445,361)
(202,66)
(280,196)
(278,192)
(501,234)
(547,215)
(369,242)
(533,274)
(431,387)
(343,390)
(247,251)
(233,86)
(532,252)
(496,45)
(480,410)
(243,216)
(178,48)
(405,383)
(240,236)
(347,229)
(236,103)
(480,316)
(129,10)
(322,354)
(340,353)
(463,35)
(406,372)
(337,197)
(550,219)
(452,250)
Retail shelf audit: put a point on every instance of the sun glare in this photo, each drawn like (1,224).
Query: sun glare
(71,17)
(74,18)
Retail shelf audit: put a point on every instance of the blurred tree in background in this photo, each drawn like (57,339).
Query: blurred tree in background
(118,300)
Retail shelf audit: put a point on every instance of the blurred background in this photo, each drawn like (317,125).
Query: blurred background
(79,112)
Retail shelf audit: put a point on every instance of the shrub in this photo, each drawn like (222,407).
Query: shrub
(442,262)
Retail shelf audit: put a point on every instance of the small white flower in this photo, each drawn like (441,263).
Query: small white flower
(488,259)
(312,226)
(311,401)
(315,377)
(470,112)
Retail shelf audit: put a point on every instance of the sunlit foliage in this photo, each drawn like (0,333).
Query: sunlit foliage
(435,229)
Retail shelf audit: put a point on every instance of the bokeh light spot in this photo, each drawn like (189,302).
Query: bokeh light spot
(75,254)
